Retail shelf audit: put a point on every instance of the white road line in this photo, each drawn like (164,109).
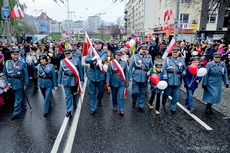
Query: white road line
(73,129)
(64,124)
(60,135)
(193,116)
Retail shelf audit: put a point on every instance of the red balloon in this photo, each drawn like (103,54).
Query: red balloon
(127,44)
(193,68)
(199,50)
(154,78)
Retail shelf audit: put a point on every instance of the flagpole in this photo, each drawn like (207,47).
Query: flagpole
(7,23)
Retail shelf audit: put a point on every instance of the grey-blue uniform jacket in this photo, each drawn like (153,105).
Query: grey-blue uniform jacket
(139,66)
(213,81)
(173,69)
(115,80)
(94,73)
(77,53)
(47,77)
(66,76)
(16,74)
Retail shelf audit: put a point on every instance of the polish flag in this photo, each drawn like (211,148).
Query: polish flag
(169,48)
(167,14)
(17,12)
(86,48)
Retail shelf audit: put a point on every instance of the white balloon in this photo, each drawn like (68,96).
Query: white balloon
(132,42)
(162,85)
(105,67)
(194,53)
(201,72)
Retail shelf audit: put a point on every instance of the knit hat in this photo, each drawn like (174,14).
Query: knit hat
(1,55)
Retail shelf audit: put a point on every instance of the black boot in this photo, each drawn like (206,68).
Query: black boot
(164,100)
(134,96)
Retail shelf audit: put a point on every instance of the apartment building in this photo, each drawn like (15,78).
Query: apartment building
(190,19)
(93,23)
(139,17)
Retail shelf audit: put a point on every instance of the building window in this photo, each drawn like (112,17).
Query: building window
(165,3)
(159,6)
(185,1)
(212,18)
(184,18)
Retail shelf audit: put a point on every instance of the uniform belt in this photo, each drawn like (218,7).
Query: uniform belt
(116,73)
(16,77)
(95,67)
(174,72)
(141,69)
(68,74)
(42,77)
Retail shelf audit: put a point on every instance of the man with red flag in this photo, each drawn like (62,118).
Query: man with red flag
(70,75)
(96,57)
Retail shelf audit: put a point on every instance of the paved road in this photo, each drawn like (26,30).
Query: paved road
(109,132)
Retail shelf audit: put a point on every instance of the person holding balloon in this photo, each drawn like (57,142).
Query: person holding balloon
(173,71)
(191,81)
(154,90)
(212,82)
(140,68)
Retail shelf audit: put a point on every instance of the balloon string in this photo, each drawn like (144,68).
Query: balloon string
(193,79)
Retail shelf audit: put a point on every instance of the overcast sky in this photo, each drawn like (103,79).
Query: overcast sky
(82,9)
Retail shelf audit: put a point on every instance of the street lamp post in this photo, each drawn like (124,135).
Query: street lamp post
(7,22)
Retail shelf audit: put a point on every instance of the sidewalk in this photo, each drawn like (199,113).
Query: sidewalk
(223,106)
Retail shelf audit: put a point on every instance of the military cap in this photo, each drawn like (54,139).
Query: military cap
(176,49)
(158,64)
(98,41)
(55,45)
(143,47)
(15,50)
(67,50)
(194,58)
(42,55)
(217,54)
(118,52)
(73,44)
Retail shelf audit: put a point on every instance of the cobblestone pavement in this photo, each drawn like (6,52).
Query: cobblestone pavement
(223,106)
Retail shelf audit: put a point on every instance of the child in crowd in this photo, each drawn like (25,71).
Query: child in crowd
(191,82)
(155,91)
(110,57)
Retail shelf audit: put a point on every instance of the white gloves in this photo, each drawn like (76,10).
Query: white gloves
(99,63)
(95,57)
(55,88)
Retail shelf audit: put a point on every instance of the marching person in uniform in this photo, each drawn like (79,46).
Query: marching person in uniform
(57,57)
(15,75)
(46,81)
(212,82)
(118,79)
(140,68)
(76,53)
(173,70)
(70,75)
(95,75)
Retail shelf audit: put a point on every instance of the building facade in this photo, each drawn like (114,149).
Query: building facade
(93,24)
(189,19)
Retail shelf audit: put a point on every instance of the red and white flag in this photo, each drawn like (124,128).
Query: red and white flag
(88,47)
(169,49)
(167,14)
(17,12)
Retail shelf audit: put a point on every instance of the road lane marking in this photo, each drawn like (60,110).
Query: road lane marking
(73,128)
(193,116)
(64,124)
(60,135)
